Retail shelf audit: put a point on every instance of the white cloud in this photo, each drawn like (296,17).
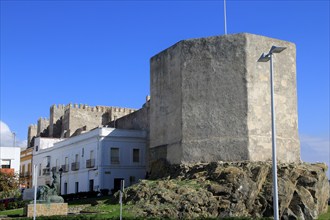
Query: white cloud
(7,137)
(315,149)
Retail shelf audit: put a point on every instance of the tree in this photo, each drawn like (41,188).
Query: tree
(9,185)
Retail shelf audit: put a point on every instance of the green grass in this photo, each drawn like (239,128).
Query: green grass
(109,209)
(325,216)
(12,212)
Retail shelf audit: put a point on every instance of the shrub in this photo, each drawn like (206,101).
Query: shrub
(2,207)
(12,205)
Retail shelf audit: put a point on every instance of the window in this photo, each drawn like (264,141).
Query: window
(114,155)
(77,158)
(65,188)
(77,187)
(91,161)
(40,169)
(65,167)
(91,185)
(82,152)
(37,148)
(136,155)
(132,180)
(5,163)
(48,161)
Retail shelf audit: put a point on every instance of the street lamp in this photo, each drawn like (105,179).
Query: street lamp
(61,171)
(266,58)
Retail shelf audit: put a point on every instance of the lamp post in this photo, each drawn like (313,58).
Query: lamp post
(14,141)
(266,58)
(61,171)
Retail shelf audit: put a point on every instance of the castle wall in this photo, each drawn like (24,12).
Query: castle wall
(214,99)
(115,113)
(79,116)
(85,118)
(211,101)
(138,120)
(259,100)
(166,105)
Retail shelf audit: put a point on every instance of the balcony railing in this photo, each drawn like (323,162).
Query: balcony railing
(46,172)
(75,166)
(65,168)
(55,169)
(90,163)
(25,174)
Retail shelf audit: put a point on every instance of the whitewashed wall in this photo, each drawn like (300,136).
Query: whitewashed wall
(99,141)
(13,154)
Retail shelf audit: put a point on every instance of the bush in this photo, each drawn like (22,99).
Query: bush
(2,207)
(12,205)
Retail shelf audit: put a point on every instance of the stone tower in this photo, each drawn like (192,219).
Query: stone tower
(210,101)
(55,121)
(32,132)
(43,126)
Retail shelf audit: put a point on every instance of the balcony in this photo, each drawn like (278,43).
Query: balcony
(46,172)
(65,168)
(55,169)
(75,166)
(90,163)
(25,174)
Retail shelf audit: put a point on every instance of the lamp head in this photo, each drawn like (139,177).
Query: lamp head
(275,49)
(264,58)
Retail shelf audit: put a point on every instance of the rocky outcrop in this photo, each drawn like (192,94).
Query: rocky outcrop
(229,189)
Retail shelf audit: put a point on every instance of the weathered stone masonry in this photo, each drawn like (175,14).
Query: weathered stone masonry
(210,101)
(72,119)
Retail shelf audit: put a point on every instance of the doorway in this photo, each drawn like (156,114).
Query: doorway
(116,184)
(91,185)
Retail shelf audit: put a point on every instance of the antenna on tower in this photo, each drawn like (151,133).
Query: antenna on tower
(225,15)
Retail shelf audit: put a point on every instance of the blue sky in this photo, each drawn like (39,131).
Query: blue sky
(97,53)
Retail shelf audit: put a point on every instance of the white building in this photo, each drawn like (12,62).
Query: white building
(97,159)
(10,159)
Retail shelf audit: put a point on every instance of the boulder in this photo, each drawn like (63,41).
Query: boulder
(230,189)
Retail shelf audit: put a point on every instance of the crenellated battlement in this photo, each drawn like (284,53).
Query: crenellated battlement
(42,119)
(86,107)
(73,116)
(124,110)
(58,106)
(98,108)
(31,126)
